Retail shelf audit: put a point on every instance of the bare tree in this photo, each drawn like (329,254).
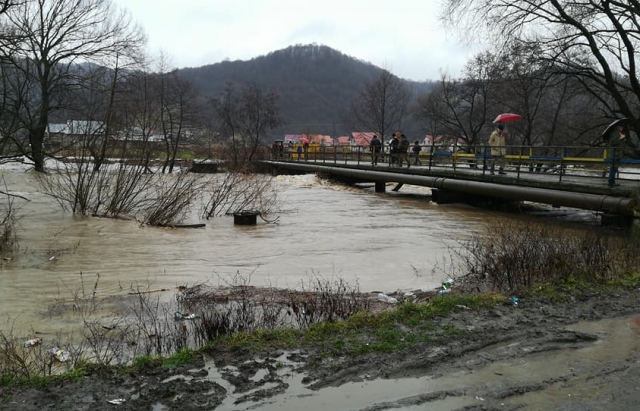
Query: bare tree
(226,113)
(12,94)
(462,107)
(52,37)
(7,33)
(4,5)
(430,111)
(177,110)
(240,191)
(595,41)
(381,104)
(245,120)
(556,110)
(141,117)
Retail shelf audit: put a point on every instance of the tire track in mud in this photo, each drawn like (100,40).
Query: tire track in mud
(505,335)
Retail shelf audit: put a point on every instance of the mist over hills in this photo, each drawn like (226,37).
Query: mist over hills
(316,84)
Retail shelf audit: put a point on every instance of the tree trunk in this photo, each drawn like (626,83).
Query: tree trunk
(36,139)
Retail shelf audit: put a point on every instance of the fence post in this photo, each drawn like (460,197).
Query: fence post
(454,155)
(520,162)
(484,160)
(563,152)
(433,142)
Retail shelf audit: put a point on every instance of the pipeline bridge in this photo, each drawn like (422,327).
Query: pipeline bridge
(577,177)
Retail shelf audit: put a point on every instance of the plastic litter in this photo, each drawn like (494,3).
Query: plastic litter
(514,301)
(182,316)
(60,354)
(448,283)
(387,299)
(117,401)
(32,342)
(445,291)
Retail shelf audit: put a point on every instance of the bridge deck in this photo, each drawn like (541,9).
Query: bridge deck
(574,185)
(570,178)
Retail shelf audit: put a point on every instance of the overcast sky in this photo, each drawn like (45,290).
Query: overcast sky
(404,36)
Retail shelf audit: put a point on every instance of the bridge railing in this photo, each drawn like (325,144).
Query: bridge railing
(583,161)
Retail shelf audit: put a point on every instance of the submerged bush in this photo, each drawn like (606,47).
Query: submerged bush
(147,323)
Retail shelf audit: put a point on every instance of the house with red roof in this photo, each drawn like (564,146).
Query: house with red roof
(362,138)
(357,138)
(344,141)
(319,139)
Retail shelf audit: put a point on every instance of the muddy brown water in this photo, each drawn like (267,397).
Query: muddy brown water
(618,340)
(382,242)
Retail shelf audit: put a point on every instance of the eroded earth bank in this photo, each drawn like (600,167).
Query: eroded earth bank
(581,354)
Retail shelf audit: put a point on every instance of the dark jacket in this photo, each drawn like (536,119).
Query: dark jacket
(404,145)
(376,145)
(394,143)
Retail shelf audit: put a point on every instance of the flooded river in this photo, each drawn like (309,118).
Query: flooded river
(382,242)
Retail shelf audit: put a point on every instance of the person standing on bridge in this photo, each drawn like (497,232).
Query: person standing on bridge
(403,150)
(376,147)
(416,149)
(393,149)
(498,142)
(616,144)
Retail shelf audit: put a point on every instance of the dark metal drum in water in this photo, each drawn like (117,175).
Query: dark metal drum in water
(245,218)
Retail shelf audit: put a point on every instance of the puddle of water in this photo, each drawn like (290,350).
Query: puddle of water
(159,407)
(260,375)
(619,340)
(177,377)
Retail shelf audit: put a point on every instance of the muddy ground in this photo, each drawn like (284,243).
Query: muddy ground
(503,340)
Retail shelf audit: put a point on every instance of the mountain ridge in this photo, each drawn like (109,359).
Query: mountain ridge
(316,84)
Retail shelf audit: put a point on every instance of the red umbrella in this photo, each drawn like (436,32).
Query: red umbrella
(506,117)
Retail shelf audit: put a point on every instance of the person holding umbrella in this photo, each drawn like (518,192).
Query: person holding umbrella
(305,146)
(498,142)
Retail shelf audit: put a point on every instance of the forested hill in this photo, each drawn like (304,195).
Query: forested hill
(315,83)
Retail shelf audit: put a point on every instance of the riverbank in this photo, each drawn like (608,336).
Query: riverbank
(480,353)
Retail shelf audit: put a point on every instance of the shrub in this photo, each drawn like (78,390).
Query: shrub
(517,255)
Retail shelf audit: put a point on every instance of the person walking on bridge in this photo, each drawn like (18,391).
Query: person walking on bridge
(498,142)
